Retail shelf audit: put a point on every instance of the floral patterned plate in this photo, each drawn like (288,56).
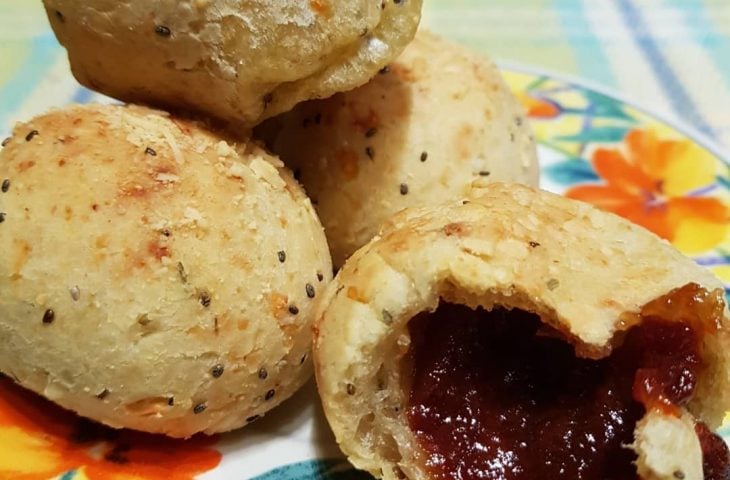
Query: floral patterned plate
(593,147)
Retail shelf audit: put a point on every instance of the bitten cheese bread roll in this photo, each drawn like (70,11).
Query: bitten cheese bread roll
(236,60)
(431,124)
(522,335)
(154,274)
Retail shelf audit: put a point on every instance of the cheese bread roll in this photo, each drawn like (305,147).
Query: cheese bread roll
(523,335)
(236,60)
(421,133)
(155,275)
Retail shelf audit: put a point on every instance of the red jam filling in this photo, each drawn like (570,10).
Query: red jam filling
(495,397)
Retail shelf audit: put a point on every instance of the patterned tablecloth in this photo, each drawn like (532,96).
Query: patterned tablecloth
(670,56)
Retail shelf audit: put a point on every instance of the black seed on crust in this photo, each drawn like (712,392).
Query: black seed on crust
(281,254)
(49,316)
(310,290)
(350,389)
(293,309)
(263,373)
(6,185)
(199,408)
(30,135)
(163,31)
(204,299)
(269,395)
(217,371)
(150,151)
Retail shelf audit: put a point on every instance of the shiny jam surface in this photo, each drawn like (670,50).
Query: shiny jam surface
(496,396)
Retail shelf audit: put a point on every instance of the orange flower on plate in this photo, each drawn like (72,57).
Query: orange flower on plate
(656,183)
(39,440)
(537,107)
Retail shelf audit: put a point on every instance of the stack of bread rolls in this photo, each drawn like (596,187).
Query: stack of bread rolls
(163,269)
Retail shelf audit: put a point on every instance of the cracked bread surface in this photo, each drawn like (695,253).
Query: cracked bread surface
(586,273)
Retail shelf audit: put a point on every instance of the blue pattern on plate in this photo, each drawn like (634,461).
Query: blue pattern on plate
(571,171)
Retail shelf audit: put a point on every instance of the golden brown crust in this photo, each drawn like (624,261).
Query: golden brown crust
(142,281)
(237,60)
(420,133)
(582,270)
